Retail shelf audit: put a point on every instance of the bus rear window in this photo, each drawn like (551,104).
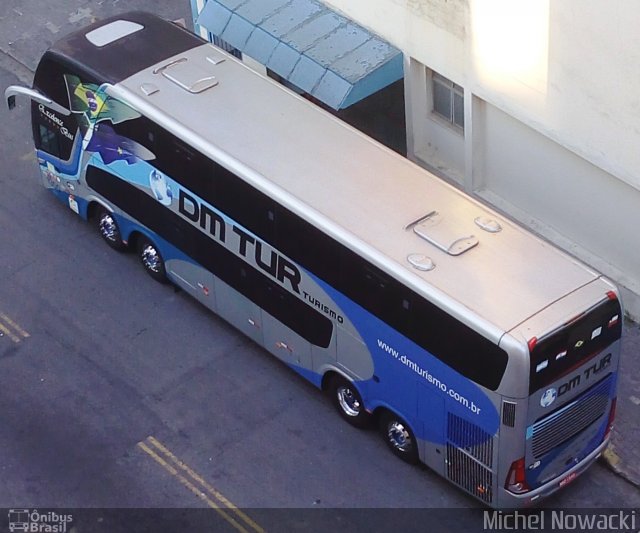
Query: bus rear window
(574,343)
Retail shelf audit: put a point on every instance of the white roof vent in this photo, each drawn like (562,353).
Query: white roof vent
(421,262)
(113,31)
(149,88)
(488,224)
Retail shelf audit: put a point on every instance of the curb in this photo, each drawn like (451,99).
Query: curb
(618,466)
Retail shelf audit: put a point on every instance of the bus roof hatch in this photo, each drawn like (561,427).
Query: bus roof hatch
(445,234)
(189,76)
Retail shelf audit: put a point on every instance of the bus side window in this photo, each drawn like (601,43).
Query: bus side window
(457,345)
(140,129)
(187,166)
(374,290)
(53,136)
(47,140)
(245,204)
(173,157)
(308,246)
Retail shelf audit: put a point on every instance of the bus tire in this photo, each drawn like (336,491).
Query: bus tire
(399,437)
(109,229)
(152,260)
(347,400)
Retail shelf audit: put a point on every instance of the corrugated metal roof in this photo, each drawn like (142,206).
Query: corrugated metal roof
(308,44)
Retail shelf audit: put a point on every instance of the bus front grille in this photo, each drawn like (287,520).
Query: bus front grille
(571,419)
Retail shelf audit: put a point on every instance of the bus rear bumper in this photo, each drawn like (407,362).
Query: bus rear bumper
(528,499)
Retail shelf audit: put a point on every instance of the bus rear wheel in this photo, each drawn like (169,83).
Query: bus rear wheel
(347,400)
(109,229)
(152,260)
(399,437)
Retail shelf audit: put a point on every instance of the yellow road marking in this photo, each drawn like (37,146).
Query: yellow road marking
(220,497)
(184,481)
(158,459)
(15,326)
(12,330)
(171,461)
(8,333)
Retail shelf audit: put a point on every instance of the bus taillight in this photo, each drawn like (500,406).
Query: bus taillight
(516,481)
(612,417)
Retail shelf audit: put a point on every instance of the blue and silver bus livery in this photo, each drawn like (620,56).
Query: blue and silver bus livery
(477,348)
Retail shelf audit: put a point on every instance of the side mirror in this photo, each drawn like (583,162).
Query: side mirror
(12,91)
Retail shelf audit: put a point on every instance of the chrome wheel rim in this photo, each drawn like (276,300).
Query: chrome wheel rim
(108,227)
(399,436)
(348,401)
(151,259)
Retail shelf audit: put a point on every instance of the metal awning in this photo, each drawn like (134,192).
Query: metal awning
(308,44)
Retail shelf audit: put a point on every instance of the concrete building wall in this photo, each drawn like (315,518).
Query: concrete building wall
(567,199)
(551,112)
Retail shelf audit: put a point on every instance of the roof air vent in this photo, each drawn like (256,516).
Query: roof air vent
(488,224)
(421,262)
(149,88)
(215,58)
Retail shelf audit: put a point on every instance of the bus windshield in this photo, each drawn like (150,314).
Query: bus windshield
(574,343)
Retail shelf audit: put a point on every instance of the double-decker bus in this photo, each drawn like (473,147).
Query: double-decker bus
(476,347)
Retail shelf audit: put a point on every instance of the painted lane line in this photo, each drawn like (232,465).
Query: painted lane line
(15,326)
(195,490)
(198,478)
(215,493)
(12,330)
(5,331)
(175,463)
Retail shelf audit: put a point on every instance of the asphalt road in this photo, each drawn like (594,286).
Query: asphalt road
(119,392)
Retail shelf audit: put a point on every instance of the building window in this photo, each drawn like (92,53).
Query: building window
(448,100)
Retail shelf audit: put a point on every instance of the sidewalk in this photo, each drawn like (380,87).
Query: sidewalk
(623,454)
(27,29)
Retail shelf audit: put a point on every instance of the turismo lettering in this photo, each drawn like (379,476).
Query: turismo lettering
(323,307)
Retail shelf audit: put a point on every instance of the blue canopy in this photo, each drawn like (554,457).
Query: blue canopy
(308,44)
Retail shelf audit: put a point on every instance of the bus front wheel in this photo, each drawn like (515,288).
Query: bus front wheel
(399,437)
(109,229)
(347,400)
(152,260)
